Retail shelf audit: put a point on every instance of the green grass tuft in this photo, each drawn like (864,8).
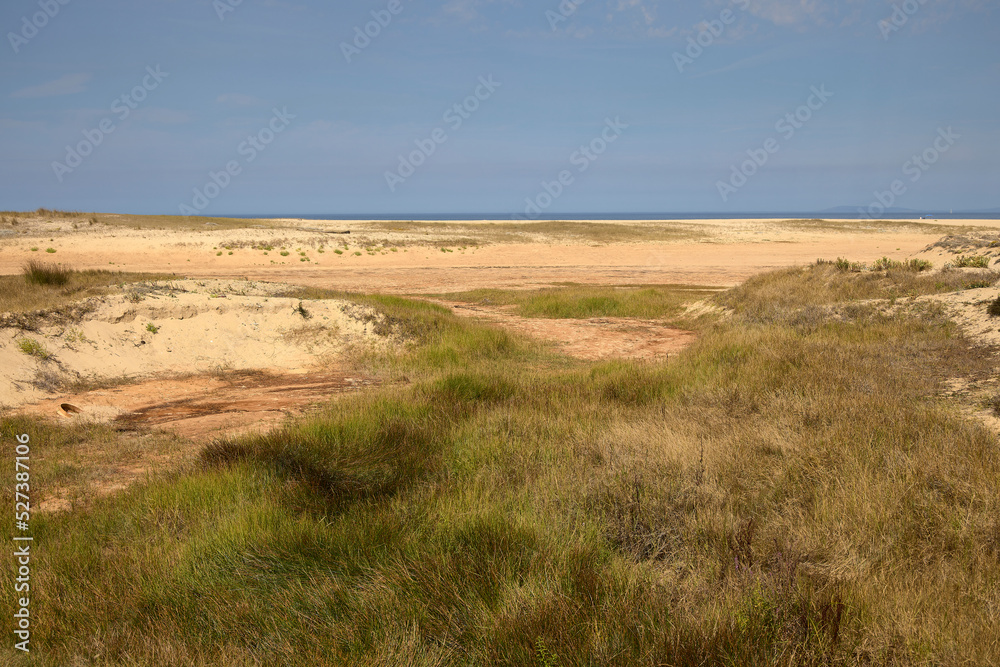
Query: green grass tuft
(33,348)
(39,273)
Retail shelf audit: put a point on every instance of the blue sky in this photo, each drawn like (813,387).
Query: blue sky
(214,83)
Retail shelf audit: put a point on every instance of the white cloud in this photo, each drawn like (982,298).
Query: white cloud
(67,85)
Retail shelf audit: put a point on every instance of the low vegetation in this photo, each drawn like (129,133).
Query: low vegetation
(883,264)
(39,273)
(33,348)
(583,301)
(808,291)
(971,262)
(169,222)
(993,310)
(85,461)
(782,493)
(44,286)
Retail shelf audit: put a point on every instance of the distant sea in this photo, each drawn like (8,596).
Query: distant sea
(847,215)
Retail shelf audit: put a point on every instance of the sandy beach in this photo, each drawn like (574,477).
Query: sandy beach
(432,257)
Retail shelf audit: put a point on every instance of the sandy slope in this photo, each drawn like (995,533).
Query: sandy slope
(181,327)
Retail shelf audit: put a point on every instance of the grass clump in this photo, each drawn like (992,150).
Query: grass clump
(883,264)
(971,262)
(45,286)
(846,265)
(39,273)
(886,264)
(373,451)
(993,310)
(33,348)
(152,328)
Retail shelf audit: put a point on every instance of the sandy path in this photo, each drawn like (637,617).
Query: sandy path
(594,339)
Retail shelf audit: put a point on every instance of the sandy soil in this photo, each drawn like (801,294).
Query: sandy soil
(594,339)
(455,256)
(203,407)
(179,328)
(968,310)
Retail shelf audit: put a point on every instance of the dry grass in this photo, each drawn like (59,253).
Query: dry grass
(971,262)
(805,293)
(39,273)
(993,310)
(974,241)
(81,463)
(777,495)
(44,287)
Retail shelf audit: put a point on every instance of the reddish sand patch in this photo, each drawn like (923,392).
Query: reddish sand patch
(203,407)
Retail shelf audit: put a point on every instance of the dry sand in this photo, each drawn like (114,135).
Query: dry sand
(180,328)
(455,256)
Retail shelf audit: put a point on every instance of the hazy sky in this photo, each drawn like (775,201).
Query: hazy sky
(277,106)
